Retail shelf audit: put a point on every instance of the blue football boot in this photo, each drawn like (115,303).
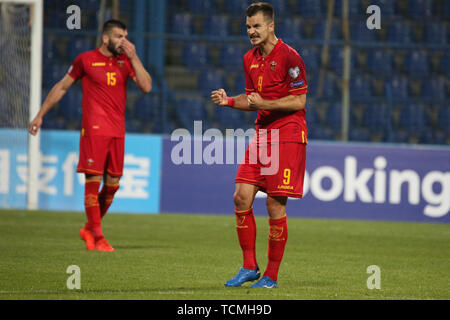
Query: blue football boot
(242,276)
(265,282)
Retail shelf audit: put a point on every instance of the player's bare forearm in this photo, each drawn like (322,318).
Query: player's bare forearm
(288,104)
(241,103)
(142,77)
(54,96)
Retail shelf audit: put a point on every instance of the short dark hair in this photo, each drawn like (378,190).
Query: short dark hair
(112,23)
(265,8)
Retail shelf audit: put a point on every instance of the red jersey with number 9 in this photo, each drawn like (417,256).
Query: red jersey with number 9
(275,76)
(104,81)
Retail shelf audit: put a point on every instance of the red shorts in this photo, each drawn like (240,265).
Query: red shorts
(99,153)
(281,176)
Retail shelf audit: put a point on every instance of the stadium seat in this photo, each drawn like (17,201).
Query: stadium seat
(217,25)
(336,62)
(310,8)
(230,119)
(210,80)
(399,87)
(190,110)
(387,7)
(231,56)
(445,64)
(320,28)
(289,29)
(52,74)
(444,118)
(434,88)
(236,7)
(360,87)
(70,105)
(201,7)
(376,116)
(334,116)
(312,116)
(280,7)
(447,9)
(417,64)
(380,62)
(399,32)
(354,11)
(132,125)
(358,134)
(360,32)
(320,132)
(182,24)
(239,83)
(77,46)
(146,107)
(311,58)
(50,54)
(195,55)
(419,9)
(435,32)
(413,118)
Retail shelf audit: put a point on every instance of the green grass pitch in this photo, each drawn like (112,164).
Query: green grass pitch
(184,257)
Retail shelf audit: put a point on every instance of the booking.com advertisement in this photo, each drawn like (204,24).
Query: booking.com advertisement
(195,174)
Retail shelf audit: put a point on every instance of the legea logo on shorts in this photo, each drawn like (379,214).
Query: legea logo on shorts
(228,149)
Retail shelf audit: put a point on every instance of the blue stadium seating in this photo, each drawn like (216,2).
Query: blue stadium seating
(230,119)
(78,45)
(444,118)
(447,9)
(417,64)
(435,32)
(201,7)
(50,54)
(360,32)
(413,118)
(52,74)
(445,64)
(236,7)
(280,7)
(355,8)
(337,60)
(311,58)
(360,87)
(399,32)
(146,108)
(210,80)
(312,116)
(419,9)
(387,7)
(320,28)
(217,25)
(70,105)
(399,87)
(239,83)
(334,116)
(434,88)
(310,8)
(320,132)
(380,62)
(376,116)
(358,134)
(195,55)
(231,56)
(190,110)
(289,29)
(182,24)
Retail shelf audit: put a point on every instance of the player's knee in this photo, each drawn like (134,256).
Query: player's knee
(241,200)
(276,207)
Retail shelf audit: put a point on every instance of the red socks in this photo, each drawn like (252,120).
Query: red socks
(246,230)
(92,208)
(106,196)
(277,242)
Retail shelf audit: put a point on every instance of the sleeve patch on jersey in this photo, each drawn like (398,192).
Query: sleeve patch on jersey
(294,72)
(297,84)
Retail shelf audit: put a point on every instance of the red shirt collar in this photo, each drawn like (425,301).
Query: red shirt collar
(272,53)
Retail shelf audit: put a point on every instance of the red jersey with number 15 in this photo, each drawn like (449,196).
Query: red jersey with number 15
(104,81)
(275,76)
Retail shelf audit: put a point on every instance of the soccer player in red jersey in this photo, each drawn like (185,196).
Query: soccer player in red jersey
(104,74)
(276,87)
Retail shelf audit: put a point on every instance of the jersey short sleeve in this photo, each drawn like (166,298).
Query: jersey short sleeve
(76,70)
(296,79)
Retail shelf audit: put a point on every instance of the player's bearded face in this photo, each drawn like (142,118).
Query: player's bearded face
(114,46)
(258,29)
